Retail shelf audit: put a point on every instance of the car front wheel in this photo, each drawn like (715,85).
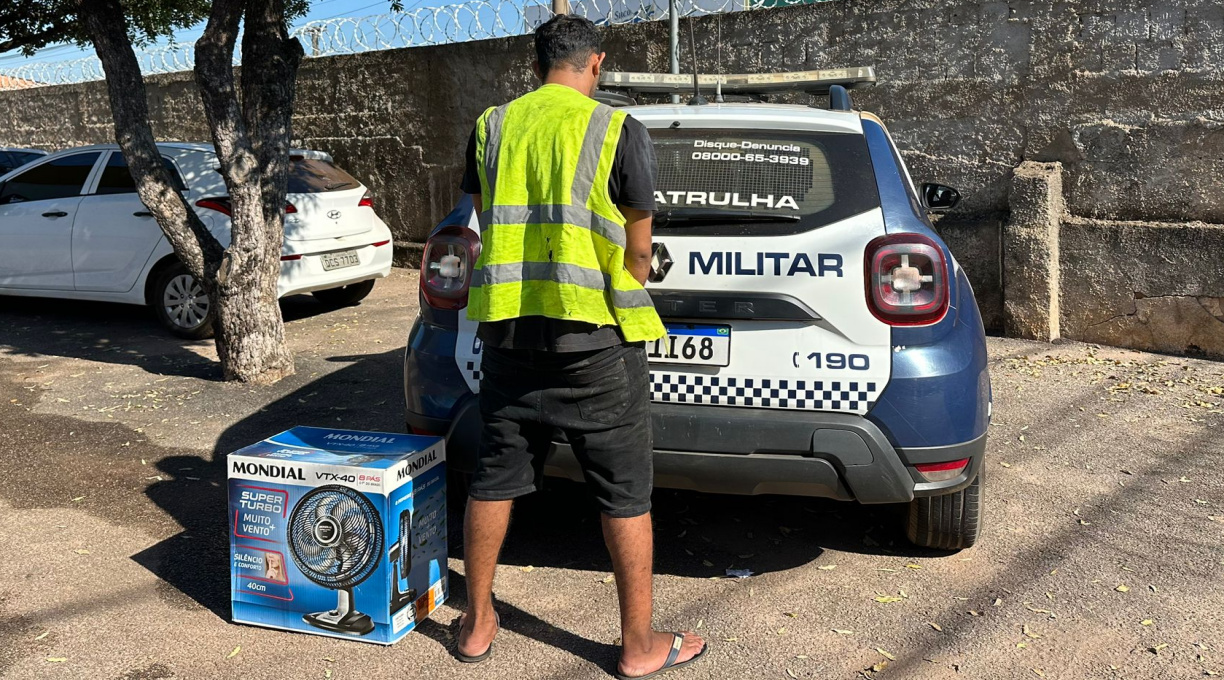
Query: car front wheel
(344,296)
(948,522)
(181,303)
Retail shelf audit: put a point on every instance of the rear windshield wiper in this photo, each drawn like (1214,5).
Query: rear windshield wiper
(336,185)
(665,217)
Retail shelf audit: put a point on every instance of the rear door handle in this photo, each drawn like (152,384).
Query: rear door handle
(55,213)
(142,213)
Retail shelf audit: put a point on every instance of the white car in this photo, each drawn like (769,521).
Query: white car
(11,159)
(72,226)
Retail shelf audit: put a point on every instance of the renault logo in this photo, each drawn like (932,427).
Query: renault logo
(660,262)
(333,214)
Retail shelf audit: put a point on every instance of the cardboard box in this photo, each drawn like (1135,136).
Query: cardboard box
(338,532)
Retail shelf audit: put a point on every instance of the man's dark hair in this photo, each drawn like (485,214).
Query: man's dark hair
(566,40)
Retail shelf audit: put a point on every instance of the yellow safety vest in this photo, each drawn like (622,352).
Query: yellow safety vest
(552,240)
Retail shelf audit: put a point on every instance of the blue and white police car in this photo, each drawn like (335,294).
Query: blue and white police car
(822,340)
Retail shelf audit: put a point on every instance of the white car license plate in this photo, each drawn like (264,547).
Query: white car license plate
(340,260)
(687,343)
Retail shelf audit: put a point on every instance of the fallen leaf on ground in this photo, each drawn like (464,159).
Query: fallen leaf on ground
(998,602)
(57,659)
(879,666)
(827,567)
(45,633)
(936,626)
(1030,632)
(78,498)
(1123,589)
(234,653)
(913,566)
(1157,648)
(1040,673)
(610,578)
(886,655)
(791,673)
(840,631)
(887,599)
(527,569)
(81,551)
(1006,465)
(1145,622)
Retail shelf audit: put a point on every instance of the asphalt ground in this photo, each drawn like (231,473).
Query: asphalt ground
(1101,556)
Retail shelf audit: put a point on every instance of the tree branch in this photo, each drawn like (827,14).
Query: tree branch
(191,240)
(267,97)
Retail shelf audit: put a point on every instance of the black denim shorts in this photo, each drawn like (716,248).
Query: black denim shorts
(598,400)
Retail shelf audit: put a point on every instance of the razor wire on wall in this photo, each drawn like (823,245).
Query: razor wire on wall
(472,20)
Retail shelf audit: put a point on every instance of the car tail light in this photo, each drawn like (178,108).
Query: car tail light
(222,205)
(290,258)
(366,201)
(942,472)
(380,243)
(446,267)
(906,280)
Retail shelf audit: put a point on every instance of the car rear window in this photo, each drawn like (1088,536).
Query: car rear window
(818,178)
(314,176)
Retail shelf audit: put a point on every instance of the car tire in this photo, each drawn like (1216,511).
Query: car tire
(180,303)
(344,296)
(948,522)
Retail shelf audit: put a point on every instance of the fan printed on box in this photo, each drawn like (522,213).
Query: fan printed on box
(338,532)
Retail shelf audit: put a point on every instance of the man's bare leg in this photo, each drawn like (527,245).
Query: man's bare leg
(484,531)
(644,650)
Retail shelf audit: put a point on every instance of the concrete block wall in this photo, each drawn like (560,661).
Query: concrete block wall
(1126,94)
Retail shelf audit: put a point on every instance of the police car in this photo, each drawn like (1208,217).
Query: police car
(821,339)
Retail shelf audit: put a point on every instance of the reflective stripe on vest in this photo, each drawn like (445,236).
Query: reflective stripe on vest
(553,242)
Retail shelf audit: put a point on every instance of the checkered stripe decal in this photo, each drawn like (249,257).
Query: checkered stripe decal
(807,395)
(473,370)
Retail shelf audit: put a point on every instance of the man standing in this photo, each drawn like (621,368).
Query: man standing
(564,187)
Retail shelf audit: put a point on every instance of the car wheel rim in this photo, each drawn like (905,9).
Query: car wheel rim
(185,303)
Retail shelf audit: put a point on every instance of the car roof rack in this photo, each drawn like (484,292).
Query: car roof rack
(834,83)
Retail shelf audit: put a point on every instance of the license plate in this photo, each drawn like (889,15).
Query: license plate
(340,260)
(692,344)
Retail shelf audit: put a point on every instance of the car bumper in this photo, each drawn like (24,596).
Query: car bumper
(756,451)
(306,273)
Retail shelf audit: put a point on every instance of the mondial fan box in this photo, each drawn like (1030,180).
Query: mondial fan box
(337,532)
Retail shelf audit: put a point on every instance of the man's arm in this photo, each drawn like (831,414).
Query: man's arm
(638,241)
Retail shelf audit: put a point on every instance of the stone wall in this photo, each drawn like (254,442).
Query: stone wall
(1126,94)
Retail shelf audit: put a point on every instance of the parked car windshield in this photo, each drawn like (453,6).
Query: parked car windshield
(805,179)
(312,176)
(11,160)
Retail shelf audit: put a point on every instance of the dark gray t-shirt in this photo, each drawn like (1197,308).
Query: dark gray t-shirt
(631,184)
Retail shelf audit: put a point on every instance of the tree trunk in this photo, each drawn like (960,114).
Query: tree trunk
(191,240)
(249,327)
(241,281)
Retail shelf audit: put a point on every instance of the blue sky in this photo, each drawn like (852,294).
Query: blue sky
(321,9)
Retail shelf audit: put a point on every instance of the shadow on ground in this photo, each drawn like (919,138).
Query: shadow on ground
(118,334)
(697,535)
